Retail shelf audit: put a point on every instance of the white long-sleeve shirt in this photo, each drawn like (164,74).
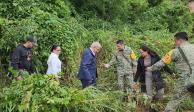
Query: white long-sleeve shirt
(54,64)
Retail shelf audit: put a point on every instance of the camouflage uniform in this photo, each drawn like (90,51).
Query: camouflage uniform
(126,64)
(183,71)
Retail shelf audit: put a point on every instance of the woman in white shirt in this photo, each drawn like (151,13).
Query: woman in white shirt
(54,64)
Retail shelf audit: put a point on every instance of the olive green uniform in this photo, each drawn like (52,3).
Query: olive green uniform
(183,71)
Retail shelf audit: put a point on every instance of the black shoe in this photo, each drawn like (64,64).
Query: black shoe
(152,110)
(191,89)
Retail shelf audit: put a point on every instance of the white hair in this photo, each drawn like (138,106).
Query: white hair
(96,45)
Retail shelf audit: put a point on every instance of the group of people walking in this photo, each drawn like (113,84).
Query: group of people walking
(21,58)
(146,69)
(130,70)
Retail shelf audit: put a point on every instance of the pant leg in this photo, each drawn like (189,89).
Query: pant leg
(149,85)
(93,83)
(159,94)
(179,94)
(143,88)
(121,82)
(129,82)
(85,83)
(191,91)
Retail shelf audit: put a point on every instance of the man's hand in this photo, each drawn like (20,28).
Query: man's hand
(106,65)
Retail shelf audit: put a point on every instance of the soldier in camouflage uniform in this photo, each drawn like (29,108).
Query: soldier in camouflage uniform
(184,62)
(125,61)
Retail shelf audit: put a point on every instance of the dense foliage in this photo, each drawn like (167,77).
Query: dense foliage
(74,24)
(40,93)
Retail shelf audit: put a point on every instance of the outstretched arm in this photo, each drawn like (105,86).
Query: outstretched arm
(167,59)
(111,62)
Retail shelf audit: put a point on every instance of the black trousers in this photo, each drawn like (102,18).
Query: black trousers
(86,83)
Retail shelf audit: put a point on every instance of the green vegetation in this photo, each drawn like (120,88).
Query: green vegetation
(74,24)
(40,93)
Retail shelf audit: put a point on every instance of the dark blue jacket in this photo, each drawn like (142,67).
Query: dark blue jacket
(88,69)
(157,78)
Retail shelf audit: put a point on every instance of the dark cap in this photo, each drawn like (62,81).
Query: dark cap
(120,42)
(32,39)
(181,35)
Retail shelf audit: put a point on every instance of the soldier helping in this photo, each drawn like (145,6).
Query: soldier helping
(125,60)
(183,57)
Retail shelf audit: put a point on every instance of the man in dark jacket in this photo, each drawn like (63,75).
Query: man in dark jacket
(88,70)
(21,58)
